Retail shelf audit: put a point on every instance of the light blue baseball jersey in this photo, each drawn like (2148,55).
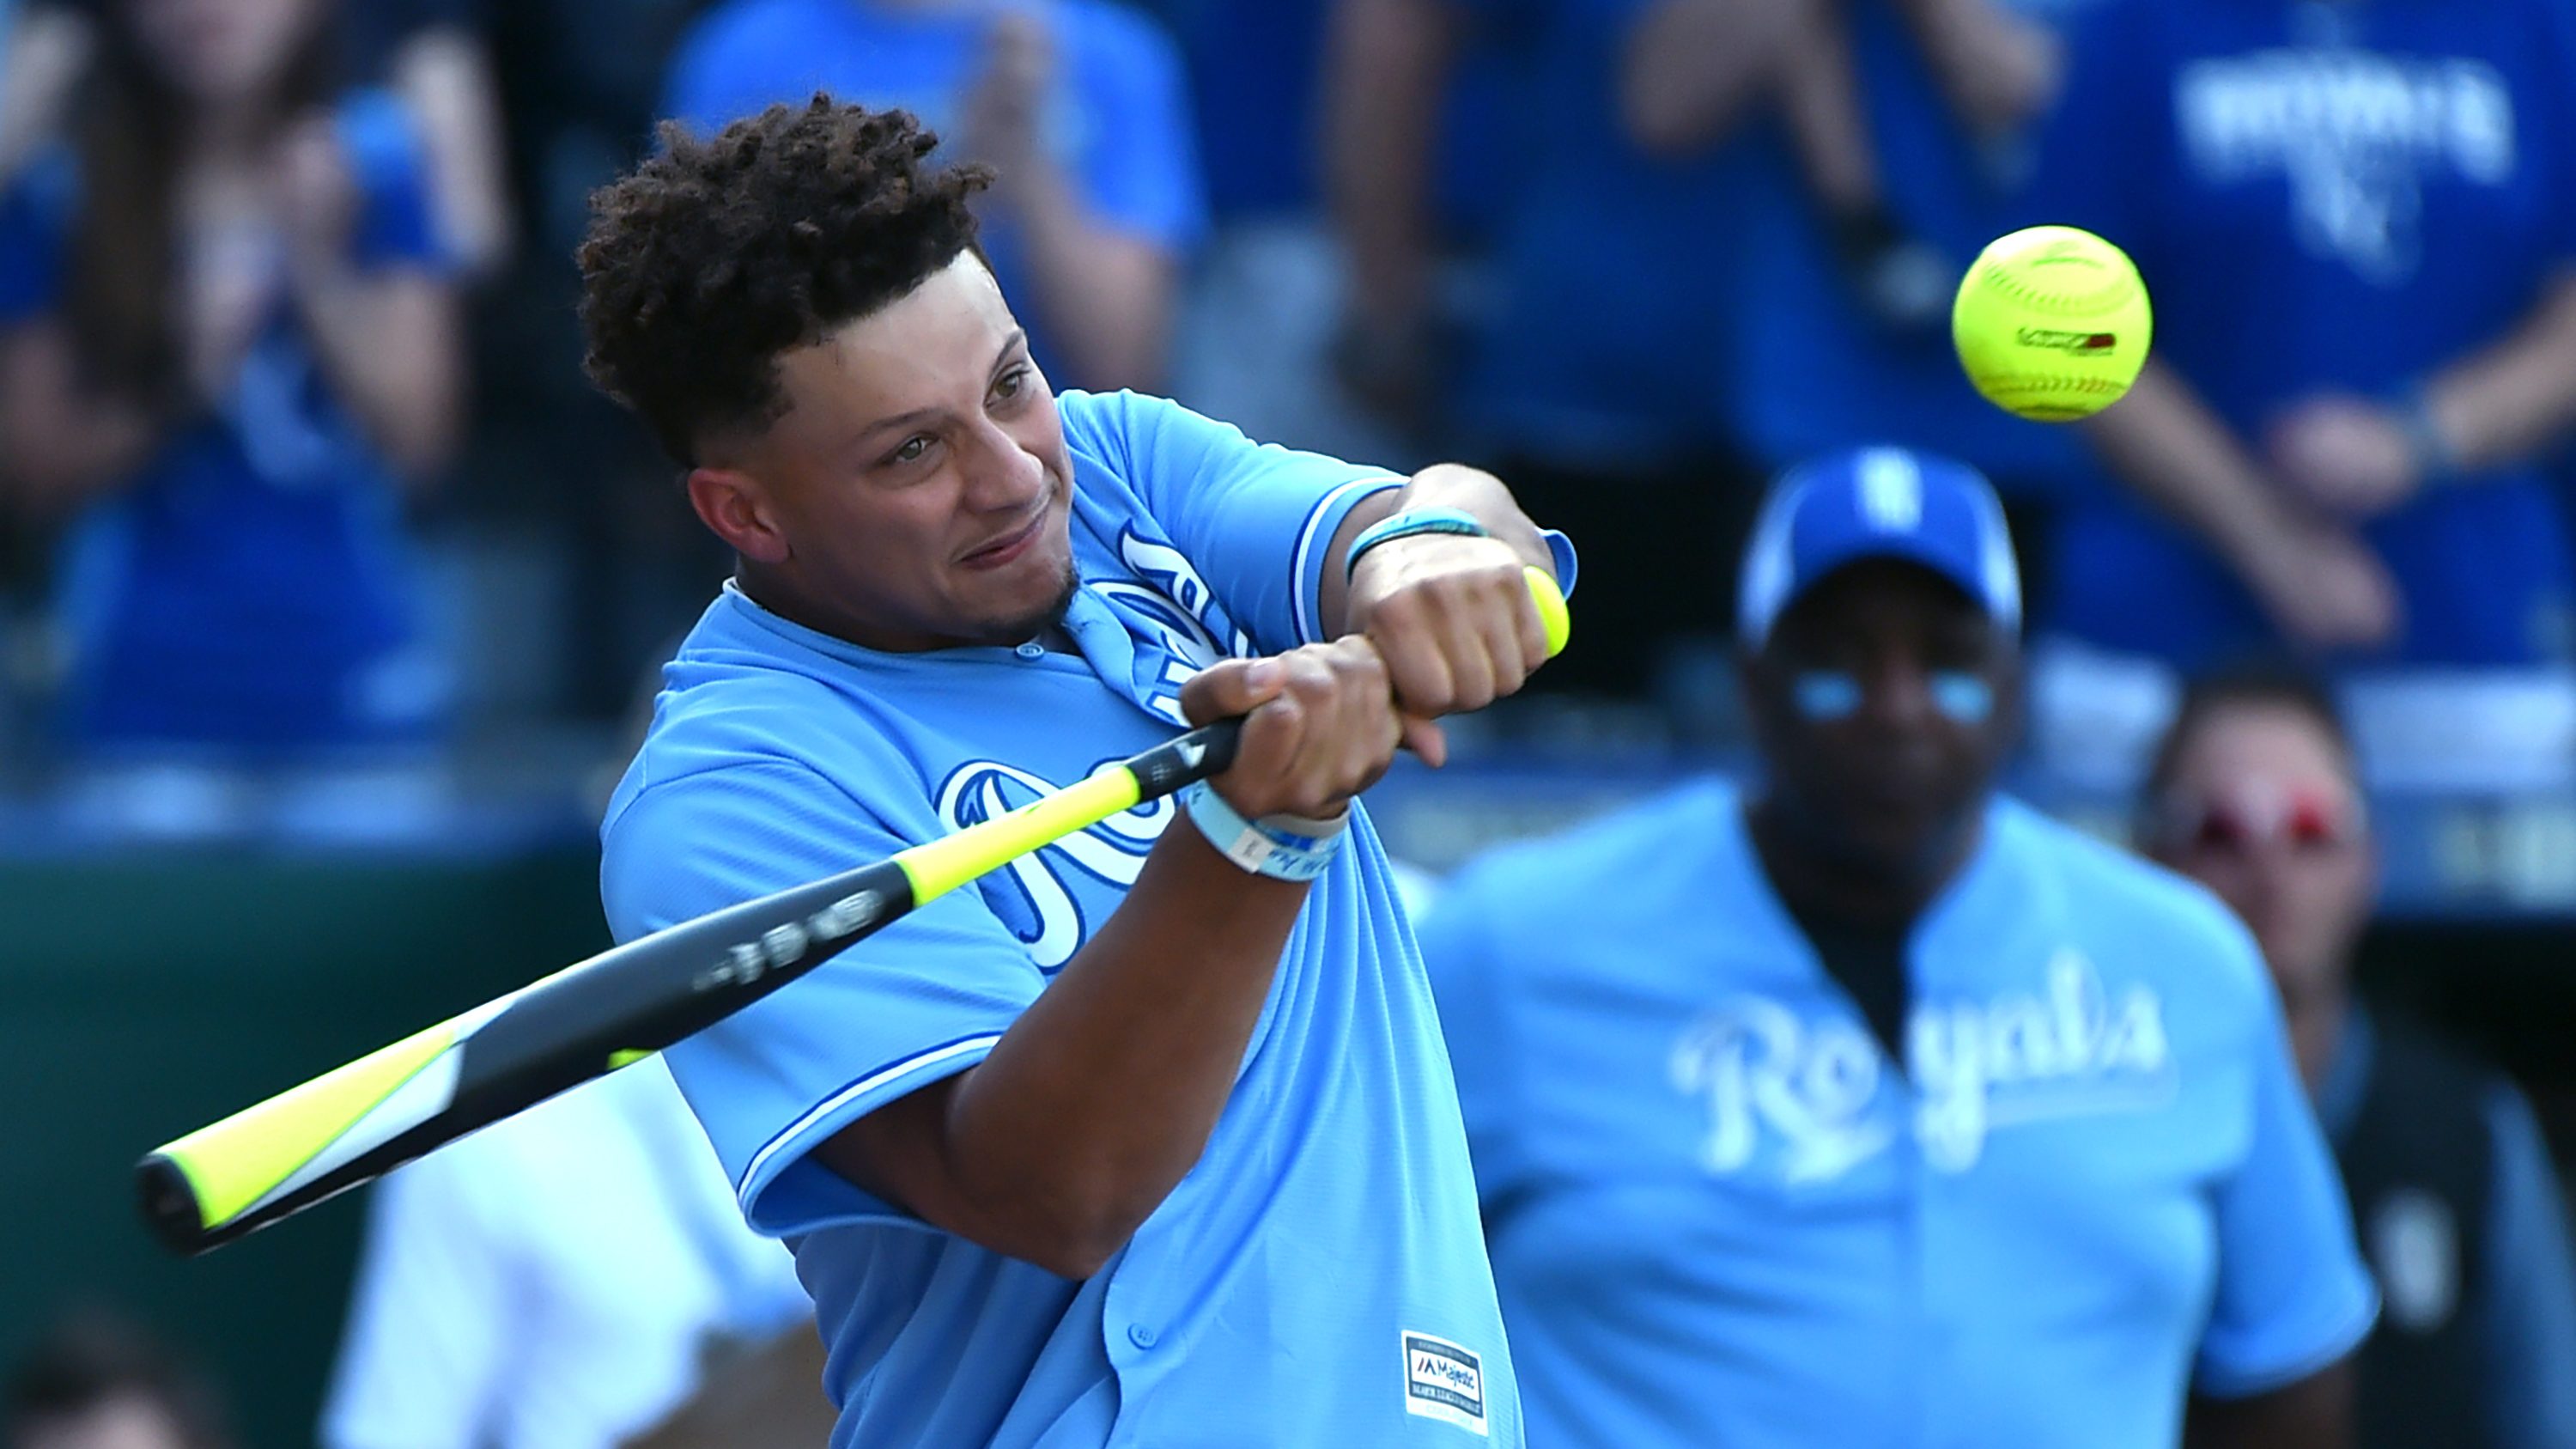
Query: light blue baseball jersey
(1719,1215)
(1318,1277)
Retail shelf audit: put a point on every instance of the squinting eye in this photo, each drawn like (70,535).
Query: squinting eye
(912,449)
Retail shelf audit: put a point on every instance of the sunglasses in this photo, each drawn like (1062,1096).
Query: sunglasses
(2307,819)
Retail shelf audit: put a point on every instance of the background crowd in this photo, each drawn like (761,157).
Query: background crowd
(313,537)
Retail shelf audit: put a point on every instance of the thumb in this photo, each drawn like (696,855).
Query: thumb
(1231,687)
(1425,738)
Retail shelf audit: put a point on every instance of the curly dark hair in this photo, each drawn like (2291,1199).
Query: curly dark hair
(715,256)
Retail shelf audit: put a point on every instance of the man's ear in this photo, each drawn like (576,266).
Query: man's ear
(733,505)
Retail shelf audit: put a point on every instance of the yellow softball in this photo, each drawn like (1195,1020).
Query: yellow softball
(2051,323)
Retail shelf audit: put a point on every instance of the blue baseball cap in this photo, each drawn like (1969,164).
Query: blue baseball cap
(1877,503)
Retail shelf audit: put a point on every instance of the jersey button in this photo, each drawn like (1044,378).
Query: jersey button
(1031,650)
(1139,1335)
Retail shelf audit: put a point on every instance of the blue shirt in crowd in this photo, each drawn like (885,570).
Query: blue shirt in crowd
(1719,1213)
(1811,370)
(2325,197)
(251,586)
(1117,118)
(1611,268)
(1319,1272)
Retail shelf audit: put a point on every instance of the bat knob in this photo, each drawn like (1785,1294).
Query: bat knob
(169,1205)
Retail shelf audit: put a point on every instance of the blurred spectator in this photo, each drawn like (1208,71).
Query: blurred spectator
(1262,328)
(2358,221)
(1865,1106)
(2255,794)
(1590,384)
(1079,107)
(227,348)
(1888,171)
(1259,315)
(429,52)
(96,1382)
(556,1281)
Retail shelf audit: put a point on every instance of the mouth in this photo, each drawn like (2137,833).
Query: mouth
(1009,547)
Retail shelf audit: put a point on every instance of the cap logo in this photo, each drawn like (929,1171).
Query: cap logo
(1891,490)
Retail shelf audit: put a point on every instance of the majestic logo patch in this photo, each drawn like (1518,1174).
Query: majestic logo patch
(1445,1382)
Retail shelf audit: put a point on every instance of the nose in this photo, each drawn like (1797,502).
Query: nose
(1000,475)
(1896,694)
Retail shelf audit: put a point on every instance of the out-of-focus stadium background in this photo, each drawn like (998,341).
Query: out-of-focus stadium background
(1539,235)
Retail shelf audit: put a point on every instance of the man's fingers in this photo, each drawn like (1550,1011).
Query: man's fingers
(1232,687)
(1424,737)
(1529,631)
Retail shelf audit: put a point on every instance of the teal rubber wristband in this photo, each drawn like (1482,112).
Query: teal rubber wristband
(1409,524)
(1268,846)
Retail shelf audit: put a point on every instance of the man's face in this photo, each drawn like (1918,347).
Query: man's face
(1883,702)
(2262,810)
(916,493)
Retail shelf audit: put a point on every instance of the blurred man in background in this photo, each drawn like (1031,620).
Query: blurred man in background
(561,1280)
(2255,793)
(1079,107)
(2358,222)
(1871,1107)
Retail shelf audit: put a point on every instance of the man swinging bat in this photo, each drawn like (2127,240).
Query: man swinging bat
(1148,1138)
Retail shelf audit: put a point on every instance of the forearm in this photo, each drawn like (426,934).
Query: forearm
(1998,69)
(1820,92)
(1106,297)
(447,78)
(2515,397)
(45,53)
(1388,70)
(389,348)
(1442,485)
(1102,1095)
(60,444)
(1691,67)
(2167,444)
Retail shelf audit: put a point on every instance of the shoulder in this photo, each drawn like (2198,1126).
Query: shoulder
(737,702)
(1097,418)
(1117,33)
(727,38)
(1132,433)
(770,720)
(378,134)
(1631,858)
(2116,896)
(747,23)
(2127,32)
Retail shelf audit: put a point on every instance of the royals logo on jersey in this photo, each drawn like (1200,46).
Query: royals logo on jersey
(1820,1091)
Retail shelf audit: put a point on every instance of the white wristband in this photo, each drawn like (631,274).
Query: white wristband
(1283,847)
